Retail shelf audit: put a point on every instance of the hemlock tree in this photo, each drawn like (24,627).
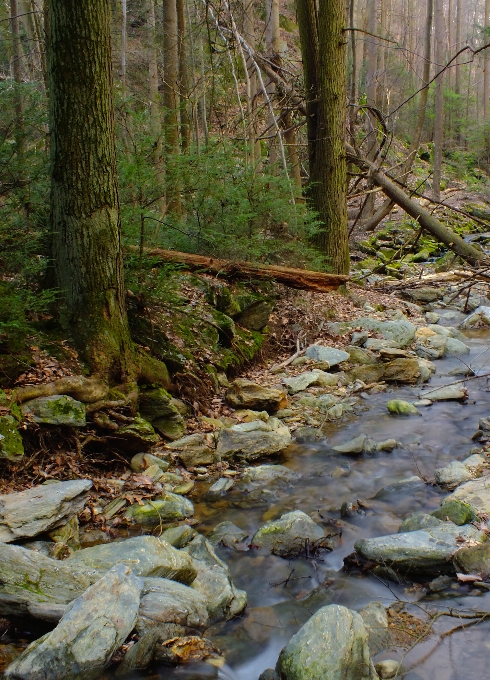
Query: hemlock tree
(323,44)
(85,216)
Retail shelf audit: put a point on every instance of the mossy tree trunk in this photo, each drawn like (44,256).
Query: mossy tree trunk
(85,215)
(323,48)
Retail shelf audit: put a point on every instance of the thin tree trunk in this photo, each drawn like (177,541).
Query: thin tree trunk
(371,92)
(324,62)
(439,99)
(85,216)
(17,73)
(185,118)
(123,45)
(353,75)
(272,48)
(486,64)
(252,86)
(171,97)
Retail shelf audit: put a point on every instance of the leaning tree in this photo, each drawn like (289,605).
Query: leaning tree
(85,215)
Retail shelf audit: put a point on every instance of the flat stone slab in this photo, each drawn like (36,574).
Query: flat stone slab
(244,393)
(40,509)
(475,493)
(425,551)
(145,555)
(58,409)
(83,642)
(329,355)
(252,440)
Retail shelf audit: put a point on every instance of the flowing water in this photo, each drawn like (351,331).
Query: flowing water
(283,594)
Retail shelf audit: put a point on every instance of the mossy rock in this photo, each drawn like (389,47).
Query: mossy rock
(137,436)
(56,410)
(156,403)
(11,446)
(171,428)
(455,511)
(169,508)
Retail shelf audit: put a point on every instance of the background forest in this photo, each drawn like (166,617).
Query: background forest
(211,128)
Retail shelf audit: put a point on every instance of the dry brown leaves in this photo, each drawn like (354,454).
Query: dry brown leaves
(405,629)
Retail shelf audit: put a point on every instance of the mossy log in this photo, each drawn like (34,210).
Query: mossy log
(303,279)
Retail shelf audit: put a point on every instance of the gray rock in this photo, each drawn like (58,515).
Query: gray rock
(474,560)
(432,347)
(475,493)
(213,581)
(179,536)
(139,655)
(354,446)
(301,382)
(249,441)
(308,435)
(357,355)
(171,608)
(40,509)
(479,318)
(368,373)
(11,446)
(288,534)
(332,645)
(432,317)
(454,474)
(375,621)
(94,627)
(219,488)
(329,355)
(422,552)
(244,393)
(145,555)
(193,456)
(170,507)
(456,392)
(269,674)
(419,520)
(227,534)
(454,346)
(266,475)
(55,410)
(401,332)
(440,583)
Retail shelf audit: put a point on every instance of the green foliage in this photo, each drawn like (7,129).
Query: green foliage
(228,209)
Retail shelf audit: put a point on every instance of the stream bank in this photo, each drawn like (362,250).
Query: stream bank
(313,439)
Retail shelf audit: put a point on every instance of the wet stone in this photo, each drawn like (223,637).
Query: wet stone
(244,393)
(227,534)
(288,534)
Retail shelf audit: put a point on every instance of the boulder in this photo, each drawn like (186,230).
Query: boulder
(156,403)
(171,608)
(431,347)
(244,393)
(300,382)
(479,318)
(139,655)
(249,441)
(94,627)
(400,332)
(171,428)
(170,507)
(255,317)
(329,355)
(288,535)
(227,534)
(357,355)
(455,346)
(451,392)
(419,553)
(454,474)
(145,555)
(58,409)
(368,373)
(375,621)
(40,509)
(11,446)
(403,371)
(402,408)
(213,581)
(455,511)
(424,294)
(474,560)
(332,645)
(136,436)
(475,493)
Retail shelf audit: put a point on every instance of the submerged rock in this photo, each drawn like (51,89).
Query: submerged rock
(219,488)
(450,392)
(249,441)
(289,534)
(55,410)
(40,509)
(171,609)
(85,639)
(145,555)
(227,534)
(332,645)
(353,446)
(244,393)
(418,553)
(11,446)
(213,581)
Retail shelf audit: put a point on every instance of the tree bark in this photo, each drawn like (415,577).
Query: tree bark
(486,65)
(185,117)
(439,100)
(171,96)
(323,49)
(85,216)
(17,73)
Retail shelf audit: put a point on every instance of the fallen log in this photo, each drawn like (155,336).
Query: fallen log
(303,279)
(427,221)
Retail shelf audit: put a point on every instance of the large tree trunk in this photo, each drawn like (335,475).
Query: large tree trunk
(85,217)
(185,117)
(171,97)
(439,100)
(323,49)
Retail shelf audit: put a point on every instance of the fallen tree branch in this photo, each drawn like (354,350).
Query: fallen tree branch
(88,390)
(427,221)
(303,279)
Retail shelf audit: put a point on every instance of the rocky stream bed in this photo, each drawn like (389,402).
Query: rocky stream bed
(332,525)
